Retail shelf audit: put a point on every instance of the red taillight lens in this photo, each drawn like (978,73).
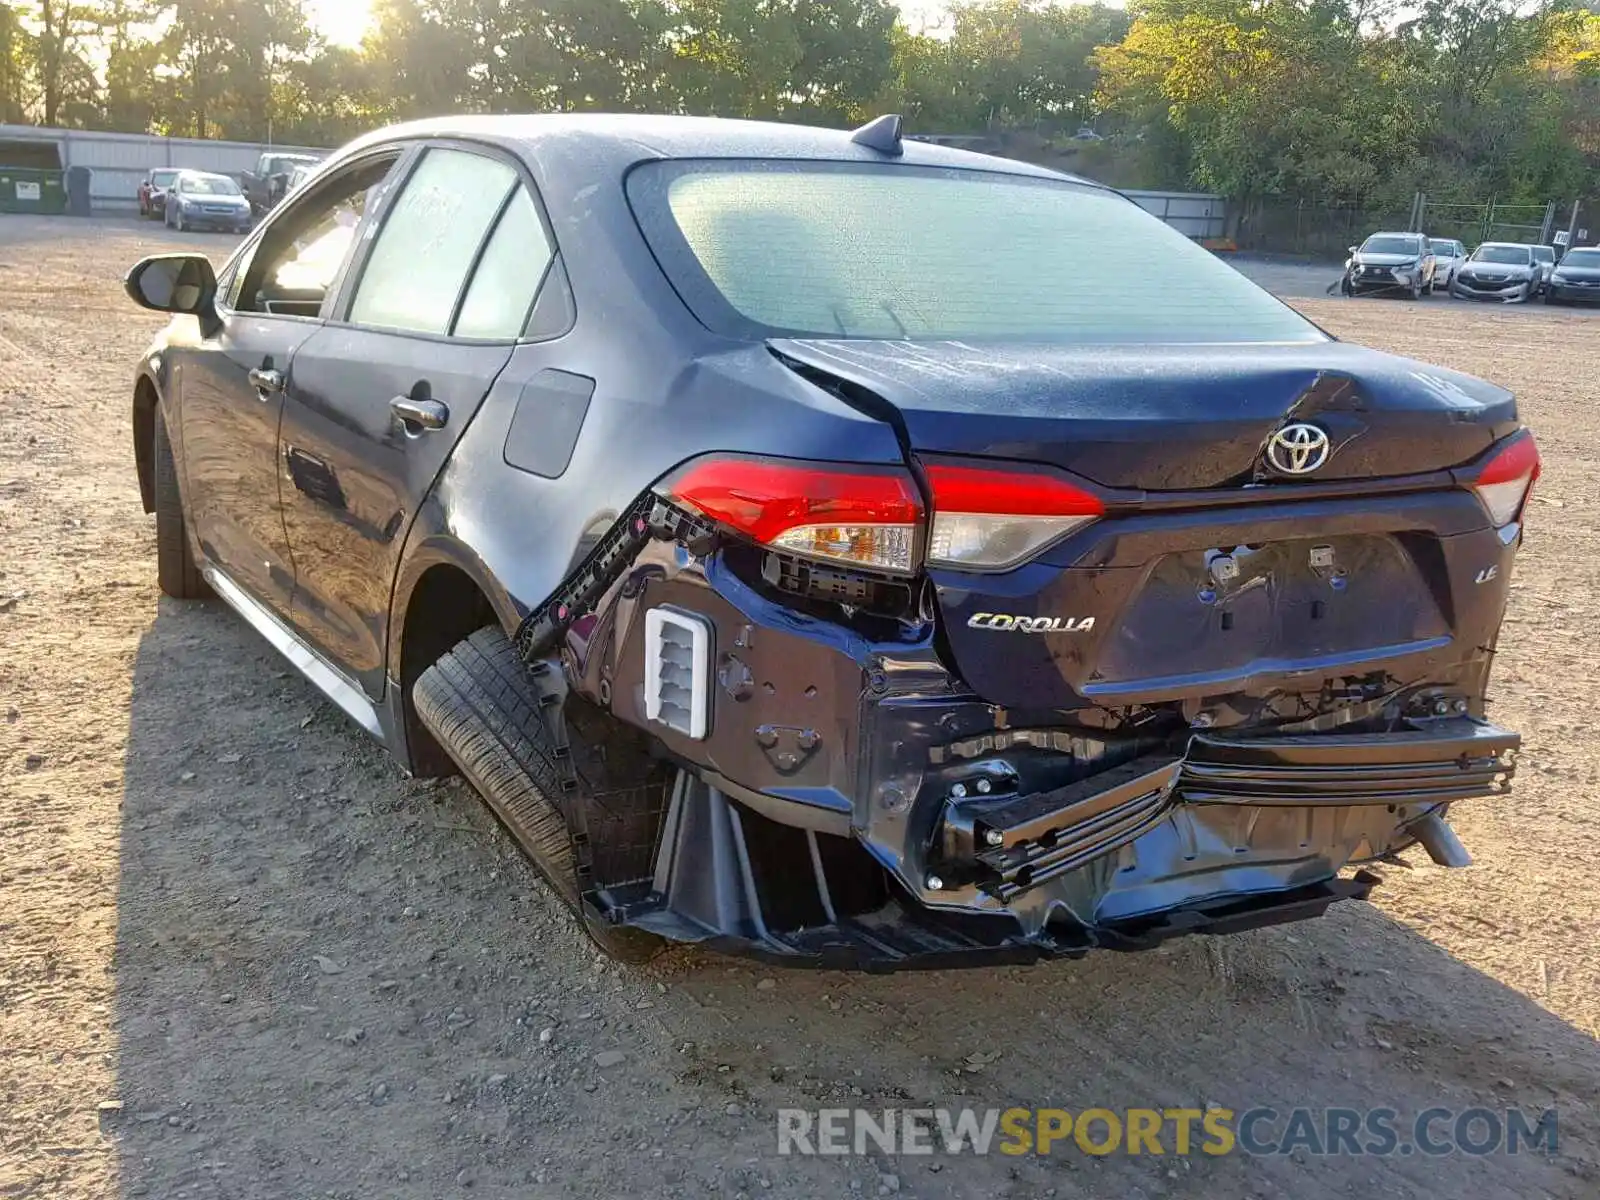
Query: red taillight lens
(857,515)
(990,520)
(1505,480)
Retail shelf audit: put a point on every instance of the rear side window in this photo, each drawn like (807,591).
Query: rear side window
(430,240)
(760,248)
(509,274)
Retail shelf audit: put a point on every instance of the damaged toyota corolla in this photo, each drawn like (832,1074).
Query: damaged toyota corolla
(839,549)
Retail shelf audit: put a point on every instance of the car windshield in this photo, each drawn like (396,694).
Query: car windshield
(1516,256)
(1544,254)
(825,249)
(1589,260)
(1391,245)
(209,185)
(162,178)
(1445,249)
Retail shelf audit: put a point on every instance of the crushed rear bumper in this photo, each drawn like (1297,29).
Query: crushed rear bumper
(853,803)
(1236,833)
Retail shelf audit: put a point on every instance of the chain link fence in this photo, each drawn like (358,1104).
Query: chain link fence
(1319,229)
(1326,229)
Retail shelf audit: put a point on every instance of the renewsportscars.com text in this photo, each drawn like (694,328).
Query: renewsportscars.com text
(1160,1131)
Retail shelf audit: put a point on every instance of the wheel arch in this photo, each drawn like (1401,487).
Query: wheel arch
(146,400)
(443,595)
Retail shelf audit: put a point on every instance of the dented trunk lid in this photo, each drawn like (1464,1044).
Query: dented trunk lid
(1163,418)
(1210,576)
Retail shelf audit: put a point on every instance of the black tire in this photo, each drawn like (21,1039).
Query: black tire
(482,706)
(176,572)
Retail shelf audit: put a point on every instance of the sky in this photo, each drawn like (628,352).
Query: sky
(341,21)
(345,21)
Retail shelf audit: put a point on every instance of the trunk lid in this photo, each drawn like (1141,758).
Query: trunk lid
(1242,593)
(1165,418)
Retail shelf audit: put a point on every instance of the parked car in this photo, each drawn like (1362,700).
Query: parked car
(1504,271)
(1545,256)
(153,191)
(1576,279)
(269,182)
(824,546)
(298,175)
(199,200)
(1392,263)
(1448,257)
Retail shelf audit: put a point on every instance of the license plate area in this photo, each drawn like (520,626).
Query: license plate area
(1228,608)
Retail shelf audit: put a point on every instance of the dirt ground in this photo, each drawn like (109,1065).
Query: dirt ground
(241,955)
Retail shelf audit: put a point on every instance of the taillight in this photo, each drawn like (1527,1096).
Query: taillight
(863,516)
(1505,480)
(990,520)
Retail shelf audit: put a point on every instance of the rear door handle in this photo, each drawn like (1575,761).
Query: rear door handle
(420,415)
(266,381)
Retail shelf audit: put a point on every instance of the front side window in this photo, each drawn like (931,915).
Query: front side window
(300,255)
(807,248)
(429,242)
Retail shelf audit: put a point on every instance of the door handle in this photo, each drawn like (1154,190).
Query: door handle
(266,380)
(420,415)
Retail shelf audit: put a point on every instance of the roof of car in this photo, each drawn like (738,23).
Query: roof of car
(187,173)
(1394,233)
(1506,245)
(645,137)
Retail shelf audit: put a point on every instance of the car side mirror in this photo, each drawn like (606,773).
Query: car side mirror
(174,283)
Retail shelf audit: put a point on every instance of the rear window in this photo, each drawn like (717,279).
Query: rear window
(821,249)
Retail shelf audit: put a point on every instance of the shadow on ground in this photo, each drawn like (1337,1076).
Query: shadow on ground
(333,981)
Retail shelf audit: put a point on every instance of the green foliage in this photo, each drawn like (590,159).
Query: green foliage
(1347,101)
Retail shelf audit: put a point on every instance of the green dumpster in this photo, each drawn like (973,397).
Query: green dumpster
(25,190)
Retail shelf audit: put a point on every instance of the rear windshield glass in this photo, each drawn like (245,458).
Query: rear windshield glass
(1511,255)
(851,250)
(1391,245)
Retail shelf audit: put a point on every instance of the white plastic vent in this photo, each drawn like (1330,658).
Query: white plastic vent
(677,670)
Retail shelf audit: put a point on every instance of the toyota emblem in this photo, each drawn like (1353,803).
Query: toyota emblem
(1297,449)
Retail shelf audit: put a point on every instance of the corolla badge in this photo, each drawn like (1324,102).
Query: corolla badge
(1298,449)
(1007,623)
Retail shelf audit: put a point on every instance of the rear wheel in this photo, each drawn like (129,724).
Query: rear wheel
(176,572)
(482,705)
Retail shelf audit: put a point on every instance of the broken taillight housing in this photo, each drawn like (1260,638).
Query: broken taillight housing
(989,520)
(866,516)
(984,519)
(1504,481)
